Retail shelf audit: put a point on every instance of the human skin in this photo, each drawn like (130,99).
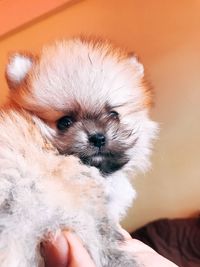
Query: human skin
(66,250)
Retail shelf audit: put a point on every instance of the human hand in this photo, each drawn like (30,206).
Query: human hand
(65,250)
(144,255)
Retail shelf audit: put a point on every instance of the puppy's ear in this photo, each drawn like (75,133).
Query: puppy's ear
(134,61)
(18,67)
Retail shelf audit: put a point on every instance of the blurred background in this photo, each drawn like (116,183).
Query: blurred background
(166,37)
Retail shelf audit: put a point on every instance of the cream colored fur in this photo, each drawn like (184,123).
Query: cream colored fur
(91,74)
(42,192)
(87,81)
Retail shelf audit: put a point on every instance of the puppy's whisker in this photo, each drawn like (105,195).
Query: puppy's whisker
(90,59)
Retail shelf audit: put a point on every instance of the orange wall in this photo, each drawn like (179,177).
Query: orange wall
(165,34)
(23,12)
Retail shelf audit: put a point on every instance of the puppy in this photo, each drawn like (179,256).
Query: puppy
(94,102)
(42,191)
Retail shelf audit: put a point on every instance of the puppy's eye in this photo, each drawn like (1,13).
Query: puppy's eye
(114,114)
(64,123)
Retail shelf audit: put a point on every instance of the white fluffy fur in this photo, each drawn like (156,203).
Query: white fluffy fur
(136,64)
(43,192)
(18,67)
(69,70)
(75,71)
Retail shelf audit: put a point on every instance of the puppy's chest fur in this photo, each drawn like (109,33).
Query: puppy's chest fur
(41,192)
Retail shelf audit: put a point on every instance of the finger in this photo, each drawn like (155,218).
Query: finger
(78,255)
(145,255)
(125,234)
(136,246)
(55,251)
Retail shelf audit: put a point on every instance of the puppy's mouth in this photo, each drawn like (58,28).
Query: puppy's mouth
(107,163)
(108,158)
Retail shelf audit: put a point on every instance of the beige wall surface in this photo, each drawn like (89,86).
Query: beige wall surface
(166,36)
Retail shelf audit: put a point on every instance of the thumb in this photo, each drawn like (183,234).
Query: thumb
(78,255)
(55,251)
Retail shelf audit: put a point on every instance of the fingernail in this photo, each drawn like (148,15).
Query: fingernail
(55,250)
(61,243)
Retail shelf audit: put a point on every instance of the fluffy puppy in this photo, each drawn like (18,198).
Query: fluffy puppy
(42,191)
(95,102)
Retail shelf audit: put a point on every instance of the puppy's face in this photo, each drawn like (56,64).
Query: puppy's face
(92,98)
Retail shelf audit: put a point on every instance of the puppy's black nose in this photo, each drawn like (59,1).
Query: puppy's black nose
(97,139)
